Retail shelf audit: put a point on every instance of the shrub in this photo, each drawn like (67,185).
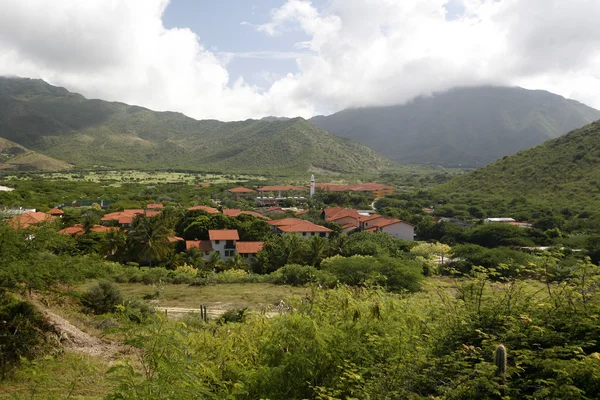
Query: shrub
(233,315)
(102,298)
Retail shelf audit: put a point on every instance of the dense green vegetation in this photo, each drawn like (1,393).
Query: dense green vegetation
(93,133)
(16,157)
(554,184)
(466,127)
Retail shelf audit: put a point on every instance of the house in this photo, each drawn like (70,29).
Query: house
(55,212)
(300,227)
(368,222)
(207,209)
(233,212)
(499,220)
(125,217)
(241,191)
(279,189)
(154,207)
(28,219)
(396,228)
(77,230)
(204,246)
(223,241)
(248,250)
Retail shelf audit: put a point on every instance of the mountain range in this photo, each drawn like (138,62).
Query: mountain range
(562,173)
(94,133)
(468,127)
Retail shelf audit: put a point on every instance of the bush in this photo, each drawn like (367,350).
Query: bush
(102,298)
(298,275)
(233,315)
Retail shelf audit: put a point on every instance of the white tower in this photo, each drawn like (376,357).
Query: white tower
(312,186)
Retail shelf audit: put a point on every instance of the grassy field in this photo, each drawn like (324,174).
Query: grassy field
(215,297)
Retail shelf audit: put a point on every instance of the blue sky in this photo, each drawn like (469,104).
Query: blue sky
(218,24)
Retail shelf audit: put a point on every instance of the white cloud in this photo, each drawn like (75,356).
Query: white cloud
(360,52)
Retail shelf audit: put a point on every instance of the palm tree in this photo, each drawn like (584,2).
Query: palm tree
(150,239)
(317,249)
(212,261)
(115,242)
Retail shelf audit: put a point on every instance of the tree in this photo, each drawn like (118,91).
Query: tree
(432,250)
(149,238)
(317,249)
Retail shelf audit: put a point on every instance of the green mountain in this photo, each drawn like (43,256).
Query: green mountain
(16,157)
(467,127)
(93,133)
(562,173)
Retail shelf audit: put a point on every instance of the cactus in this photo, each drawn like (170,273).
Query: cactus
(500,360)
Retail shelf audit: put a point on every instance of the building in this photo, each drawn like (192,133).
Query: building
(210,210)
(29,219)
(223,241)
(396,228)
(241,191)
(300,227)
(499,220)
(55,212)
(226,243)
(248,250)
(234,212)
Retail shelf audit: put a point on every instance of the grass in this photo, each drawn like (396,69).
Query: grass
(222,296)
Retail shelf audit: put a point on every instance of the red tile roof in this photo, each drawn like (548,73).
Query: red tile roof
(55,211)
(248,247)
(125,219)
(348,212)
(174,239)
(370,217)
(349,226)
(152,213)
(231,212)
(305,226)
(283,188)
(285,221)
(301,212)
(208,209)
(331,211)
(385,222)
(224,234)
(103,229)
(154,206)
(75,230)
(28,219)
(202,245)
(241,189)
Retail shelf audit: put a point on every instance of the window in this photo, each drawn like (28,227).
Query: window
(303,233)
(229,253)
(217,241)
(323,234)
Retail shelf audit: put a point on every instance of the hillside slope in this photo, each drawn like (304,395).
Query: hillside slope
(469,127)
(563,172)
(16,157)
(91,133)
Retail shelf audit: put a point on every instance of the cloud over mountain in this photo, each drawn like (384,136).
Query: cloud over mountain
(360,52)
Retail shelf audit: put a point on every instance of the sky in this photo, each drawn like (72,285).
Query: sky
(239,59)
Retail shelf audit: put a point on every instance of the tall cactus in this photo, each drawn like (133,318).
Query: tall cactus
(500,360)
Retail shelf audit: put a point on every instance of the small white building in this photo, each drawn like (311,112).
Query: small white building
(499,220)
(396,228)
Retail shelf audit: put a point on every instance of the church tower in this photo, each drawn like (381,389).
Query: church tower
(312,186)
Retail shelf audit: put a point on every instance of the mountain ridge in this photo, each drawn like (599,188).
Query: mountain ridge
(90,133)
(461,127)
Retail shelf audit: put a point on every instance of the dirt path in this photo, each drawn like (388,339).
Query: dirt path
(78,341)
(213,312)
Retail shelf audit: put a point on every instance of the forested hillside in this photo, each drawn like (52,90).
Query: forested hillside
(91,133)
(467,127)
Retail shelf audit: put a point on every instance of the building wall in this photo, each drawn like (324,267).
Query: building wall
(400,231)
(369,224)
(307,235)
(225,253)
(347,220)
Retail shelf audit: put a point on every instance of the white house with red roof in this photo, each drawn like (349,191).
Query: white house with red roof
(396,228)
(223,241)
